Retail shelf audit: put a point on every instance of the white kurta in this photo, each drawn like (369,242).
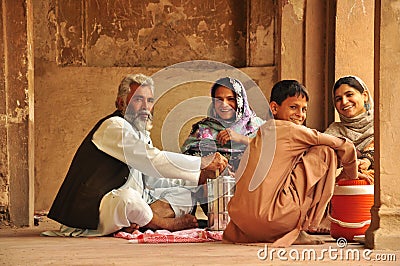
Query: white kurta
(152,176)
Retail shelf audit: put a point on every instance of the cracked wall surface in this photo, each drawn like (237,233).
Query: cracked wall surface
(142,33)
(355,40)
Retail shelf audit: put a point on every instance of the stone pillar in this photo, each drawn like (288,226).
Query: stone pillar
(355,40)
(384,232)
(314,61)
(291,45)
(304,30)
(4,180)
(16,115)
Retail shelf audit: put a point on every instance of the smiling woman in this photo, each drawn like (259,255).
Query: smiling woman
(354,104)
(350,100)
(225,103)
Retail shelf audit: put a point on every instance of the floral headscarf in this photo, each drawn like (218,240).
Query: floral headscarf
(358,129)
(243,123)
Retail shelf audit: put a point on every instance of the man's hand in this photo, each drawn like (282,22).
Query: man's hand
(212,165)
(206,174)
(214,162)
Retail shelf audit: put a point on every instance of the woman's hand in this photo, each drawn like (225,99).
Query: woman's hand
(363,164)
(361,176)
(366,177)
(229,135)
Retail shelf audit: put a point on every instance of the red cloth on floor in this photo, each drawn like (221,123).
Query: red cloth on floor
(195,235)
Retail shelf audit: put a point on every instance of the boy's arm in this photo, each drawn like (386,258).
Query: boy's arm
(344,148)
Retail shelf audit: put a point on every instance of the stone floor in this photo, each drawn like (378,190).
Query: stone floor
(25,246)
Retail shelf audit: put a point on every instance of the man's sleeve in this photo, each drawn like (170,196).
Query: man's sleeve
(117,138)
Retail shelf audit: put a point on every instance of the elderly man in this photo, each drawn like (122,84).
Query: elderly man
(118,180)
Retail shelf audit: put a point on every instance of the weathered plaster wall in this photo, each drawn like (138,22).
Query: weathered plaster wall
(84,48)
(262,33)
(292,40)
(142,33)
(355,40)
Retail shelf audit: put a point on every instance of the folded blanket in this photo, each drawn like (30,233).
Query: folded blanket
(195,235)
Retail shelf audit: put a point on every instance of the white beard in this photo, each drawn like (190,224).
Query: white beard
(142,126)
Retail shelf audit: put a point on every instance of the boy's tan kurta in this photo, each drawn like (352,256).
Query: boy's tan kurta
(274,201)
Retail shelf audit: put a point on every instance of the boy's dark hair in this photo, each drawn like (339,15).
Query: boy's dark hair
(287,88)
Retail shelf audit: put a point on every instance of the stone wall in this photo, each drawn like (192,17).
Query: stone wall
(355,40)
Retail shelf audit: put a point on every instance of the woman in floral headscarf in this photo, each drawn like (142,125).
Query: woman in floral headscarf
(354,104)
(230,124)
(228,128)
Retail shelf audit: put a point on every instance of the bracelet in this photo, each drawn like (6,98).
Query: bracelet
(370,156)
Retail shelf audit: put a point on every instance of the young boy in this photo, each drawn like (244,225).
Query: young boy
(287,175)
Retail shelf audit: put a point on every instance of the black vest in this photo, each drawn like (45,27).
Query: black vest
(92,174)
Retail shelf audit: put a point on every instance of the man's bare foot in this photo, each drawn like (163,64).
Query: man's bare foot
(186,221)
(130,229)
(324,228)
(306,239)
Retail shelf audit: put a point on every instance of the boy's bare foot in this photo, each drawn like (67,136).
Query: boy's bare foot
(306,239)
(324,228)
(186,221)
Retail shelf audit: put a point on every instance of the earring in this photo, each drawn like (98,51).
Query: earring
(367,107)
